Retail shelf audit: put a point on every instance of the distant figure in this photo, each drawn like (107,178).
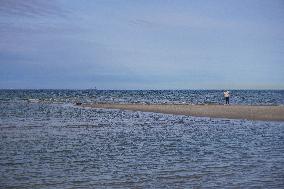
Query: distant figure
(227,96)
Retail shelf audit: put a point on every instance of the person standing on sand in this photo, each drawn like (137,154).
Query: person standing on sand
(227,96)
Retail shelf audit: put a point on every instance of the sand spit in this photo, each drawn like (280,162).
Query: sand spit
(266,113)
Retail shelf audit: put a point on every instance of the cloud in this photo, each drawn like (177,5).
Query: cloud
(142,23)
(31,8)
(24,25)
(18,16)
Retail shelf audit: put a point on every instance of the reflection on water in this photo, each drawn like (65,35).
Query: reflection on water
(45,145)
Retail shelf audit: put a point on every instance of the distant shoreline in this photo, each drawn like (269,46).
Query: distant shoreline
(249,112)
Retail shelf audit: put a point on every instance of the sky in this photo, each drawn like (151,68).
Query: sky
(142,44)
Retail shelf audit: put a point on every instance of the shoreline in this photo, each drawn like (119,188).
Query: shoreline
(249,112)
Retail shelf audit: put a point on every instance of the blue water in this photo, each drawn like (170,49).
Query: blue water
(50,143)
(249,97)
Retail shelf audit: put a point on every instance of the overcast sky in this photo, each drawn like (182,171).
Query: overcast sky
(142,44)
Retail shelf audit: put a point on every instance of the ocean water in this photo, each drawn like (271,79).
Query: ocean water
(248,97)
(48,142)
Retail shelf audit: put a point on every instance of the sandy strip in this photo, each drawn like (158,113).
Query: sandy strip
(269,113)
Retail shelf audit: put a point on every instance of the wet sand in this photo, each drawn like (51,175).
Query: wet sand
(266,113)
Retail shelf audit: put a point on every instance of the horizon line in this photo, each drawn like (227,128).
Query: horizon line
(82,89)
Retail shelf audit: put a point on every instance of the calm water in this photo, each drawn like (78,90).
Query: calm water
(53,144)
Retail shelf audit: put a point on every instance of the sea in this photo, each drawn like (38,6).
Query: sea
(46,141)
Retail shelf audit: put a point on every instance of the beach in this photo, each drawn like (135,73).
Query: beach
(249,112)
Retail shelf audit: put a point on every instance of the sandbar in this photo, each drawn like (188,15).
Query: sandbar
(249,112)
